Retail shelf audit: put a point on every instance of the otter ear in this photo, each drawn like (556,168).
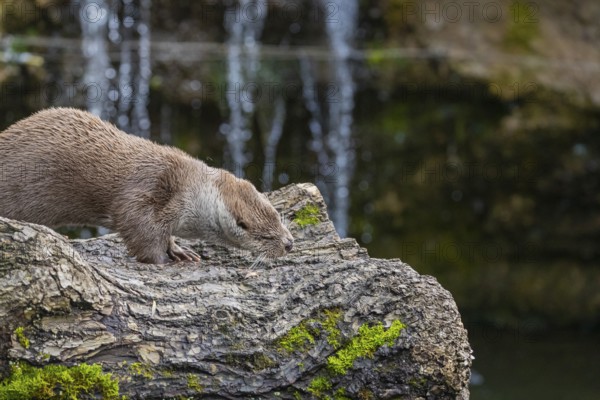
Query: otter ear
(242,225)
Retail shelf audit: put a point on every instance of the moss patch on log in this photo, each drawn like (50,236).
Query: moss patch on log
(298,338)
(20,335)
(58,382)
(303,335)
(141,369)
(194,383)
(308,215)
(368,340)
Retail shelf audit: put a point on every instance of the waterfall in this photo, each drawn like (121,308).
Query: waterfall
(125,81)
(121,97)
(315,124)
(271,146)
(141,119)
(340,28)
(94,20)
(244,23)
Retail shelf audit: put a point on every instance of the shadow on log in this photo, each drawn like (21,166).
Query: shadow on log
(326,321)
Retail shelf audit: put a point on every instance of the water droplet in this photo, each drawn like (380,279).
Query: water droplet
(225,129)
(144,124)
(580,149)
(283,178)
(113,95)
(110,73)
(366,237)
(123,120)
(195,85)
(128,22)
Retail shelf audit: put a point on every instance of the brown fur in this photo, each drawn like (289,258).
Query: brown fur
(64,166)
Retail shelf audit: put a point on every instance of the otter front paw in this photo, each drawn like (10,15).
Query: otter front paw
(180,253)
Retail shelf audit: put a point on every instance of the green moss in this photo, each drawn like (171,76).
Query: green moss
(375,57)
(340,394)
(368,340)
(20,334)
(309,215)
(140,369)
(330,326)
(261,361)
(193,383)
(297,338)
(319,386)
(417,383)
(297,395)
(167,373)
(58,382)
(523,26)
(366,394)
(301,336)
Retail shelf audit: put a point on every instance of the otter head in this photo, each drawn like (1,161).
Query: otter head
(250,221)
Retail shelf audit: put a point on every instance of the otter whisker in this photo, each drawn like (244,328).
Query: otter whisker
(256,261)
(259,260)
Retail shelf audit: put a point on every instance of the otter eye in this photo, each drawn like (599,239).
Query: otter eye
(268,237)
(242,225)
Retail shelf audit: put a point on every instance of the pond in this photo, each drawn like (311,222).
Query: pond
(511,364)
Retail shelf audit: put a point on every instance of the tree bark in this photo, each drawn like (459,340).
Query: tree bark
(214,329)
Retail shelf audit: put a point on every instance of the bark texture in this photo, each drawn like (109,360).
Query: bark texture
(214,329)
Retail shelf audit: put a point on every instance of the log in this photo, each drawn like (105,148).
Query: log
(326,321)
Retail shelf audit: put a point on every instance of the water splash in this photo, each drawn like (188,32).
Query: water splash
(244,23)
(340,27)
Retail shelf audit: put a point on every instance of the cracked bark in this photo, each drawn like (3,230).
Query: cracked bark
(219,321)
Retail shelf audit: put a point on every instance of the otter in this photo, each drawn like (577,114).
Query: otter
(64,166)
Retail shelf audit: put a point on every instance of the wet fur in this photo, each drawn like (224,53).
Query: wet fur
(64,166)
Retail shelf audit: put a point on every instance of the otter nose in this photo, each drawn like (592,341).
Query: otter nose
(289,245)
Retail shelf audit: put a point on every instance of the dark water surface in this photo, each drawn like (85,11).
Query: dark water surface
(518,366)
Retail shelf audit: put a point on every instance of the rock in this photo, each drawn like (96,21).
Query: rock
(324,321)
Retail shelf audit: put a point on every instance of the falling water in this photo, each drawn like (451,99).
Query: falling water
(272,141)
(340,27)
(244,23)
(94,20)
(122,97)
(315,124)
(141,119)
(125,82)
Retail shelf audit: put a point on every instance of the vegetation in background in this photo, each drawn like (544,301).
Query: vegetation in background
(523,25)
